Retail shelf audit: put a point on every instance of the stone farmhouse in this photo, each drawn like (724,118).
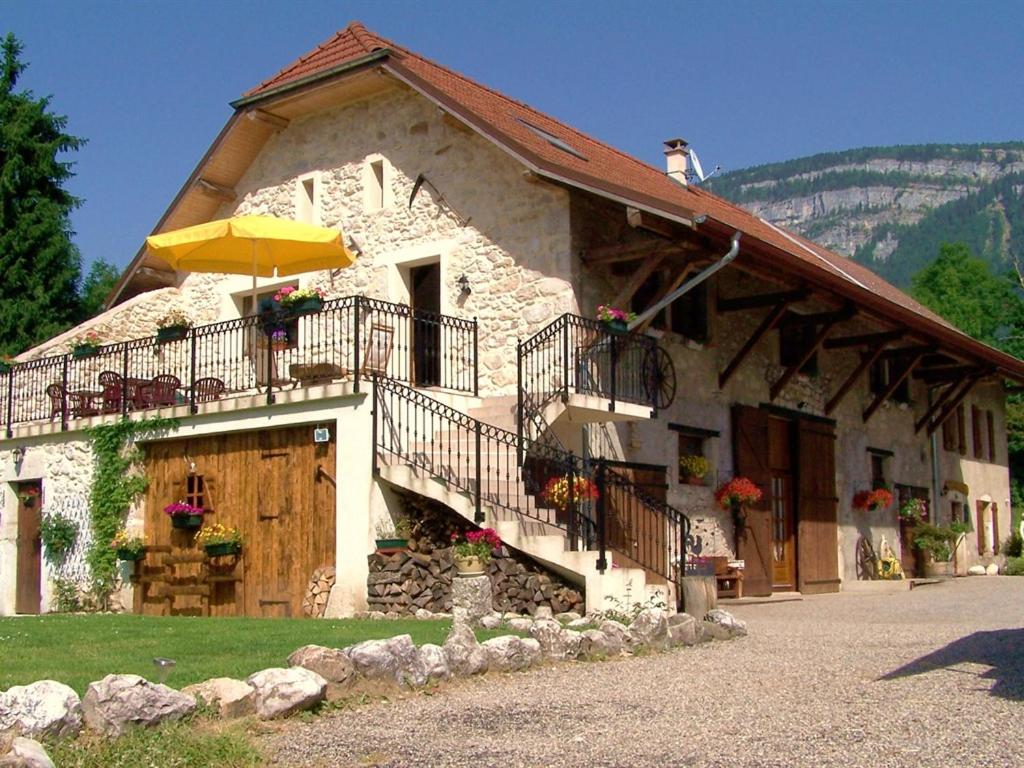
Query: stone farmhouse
(457,366)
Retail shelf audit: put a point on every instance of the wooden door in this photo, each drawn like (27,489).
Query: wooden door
(751,458)
(426,331)
(817,508)
(30,548)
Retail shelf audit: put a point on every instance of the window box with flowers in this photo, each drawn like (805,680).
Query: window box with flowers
(735,496)
(86,345)
(219,540)
(185,515)
(173,326)
(692,469)
(392,536)
(870,501)
(472,552)
(300,301)
(127,546)
(617,320)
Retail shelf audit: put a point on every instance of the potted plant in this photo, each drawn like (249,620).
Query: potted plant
(869,501)
(128,547)
(693,469)
(556,493)
(6,363)
(86,345)
(173,326)
(185,515)
(279,339)
(300,301)
(29,496)
(219,540)
(58,534)
(736,495)
(472,552)
(392,535)
(936,546)
(913,511)
(617,320)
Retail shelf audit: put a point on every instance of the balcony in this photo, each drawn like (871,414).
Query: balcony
(346,340)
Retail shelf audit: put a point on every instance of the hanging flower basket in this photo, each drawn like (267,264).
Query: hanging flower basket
(80,351)
(615,320)
(300,301)
(184,515)
(171,333)
(306,307)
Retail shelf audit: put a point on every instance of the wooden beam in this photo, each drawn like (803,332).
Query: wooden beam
(945,372)
(939,402)
(895,383)
(608,254)
(637,279)
(650,223)
(953,403)
(867,359)
(871,340)
(742,303)
(218,191)
(918,351)
(796,320)
(262,116)
(675,283)
(812,349)
(769,322)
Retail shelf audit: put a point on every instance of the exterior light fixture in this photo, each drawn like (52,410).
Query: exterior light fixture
(463,283)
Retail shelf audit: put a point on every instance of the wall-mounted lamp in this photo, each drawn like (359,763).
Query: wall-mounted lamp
(463,283)
(19,454)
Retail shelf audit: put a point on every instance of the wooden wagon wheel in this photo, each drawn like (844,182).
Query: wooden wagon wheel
(660,376)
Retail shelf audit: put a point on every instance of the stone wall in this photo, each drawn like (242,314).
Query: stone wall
(403,582)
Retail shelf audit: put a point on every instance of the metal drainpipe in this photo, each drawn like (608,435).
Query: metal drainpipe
(703,275)
(936,478)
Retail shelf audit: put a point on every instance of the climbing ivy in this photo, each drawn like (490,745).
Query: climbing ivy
(58,534)
(115,485)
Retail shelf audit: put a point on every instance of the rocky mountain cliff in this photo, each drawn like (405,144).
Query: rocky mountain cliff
(890,208)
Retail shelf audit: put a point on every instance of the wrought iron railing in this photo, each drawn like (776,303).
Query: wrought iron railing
(410,428)
(349,338)
(576,355)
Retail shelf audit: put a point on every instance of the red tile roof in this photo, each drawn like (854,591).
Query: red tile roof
(610,172)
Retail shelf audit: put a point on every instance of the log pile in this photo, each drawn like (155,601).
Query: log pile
(319,589)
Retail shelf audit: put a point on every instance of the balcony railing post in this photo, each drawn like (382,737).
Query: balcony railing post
(476,358)
(478,515)
(124,382)
(614,342)
(565,359)
(602,511)
(374,415)
(193,407)
(10,403)
(572,511)
(271,369)
(355,348)
(64,393)
(519,403)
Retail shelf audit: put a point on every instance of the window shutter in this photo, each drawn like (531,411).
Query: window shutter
(961,430)
(979,451)
(991,436)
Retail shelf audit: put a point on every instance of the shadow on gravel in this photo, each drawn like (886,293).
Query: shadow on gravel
(1001,649)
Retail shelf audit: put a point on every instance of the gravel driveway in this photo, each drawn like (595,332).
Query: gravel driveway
(932,677)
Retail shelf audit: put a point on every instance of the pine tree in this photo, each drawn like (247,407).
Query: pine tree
(40,267)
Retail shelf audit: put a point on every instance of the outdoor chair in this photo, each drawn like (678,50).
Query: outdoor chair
(56,394)
(113,388)
(162,390)
(208,389)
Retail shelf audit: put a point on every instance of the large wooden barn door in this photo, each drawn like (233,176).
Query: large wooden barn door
(30,548)
(751,454)
(267,484)
(817,540)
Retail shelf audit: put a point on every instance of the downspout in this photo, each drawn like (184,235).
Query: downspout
(693,282)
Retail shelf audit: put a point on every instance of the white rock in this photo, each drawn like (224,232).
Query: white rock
(976,570)
(594,642)
(543,612)
(463,653)
(650,628)
(509,653)
(280,692)
(43,708)
(992,569)
(682,629)
(580,624)
(520,624)
(735,627)
(118,701)
(423,614)
(330,663)
(27,753)
(232,698)
(490,621)
(431,665)
(568,616)
(555,642)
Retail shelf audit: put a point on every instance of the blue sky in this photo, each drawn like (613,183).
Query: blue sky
(148,84)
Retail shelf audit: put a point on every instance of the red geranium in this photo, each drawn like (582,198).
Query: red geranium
(879,498)
(739,490)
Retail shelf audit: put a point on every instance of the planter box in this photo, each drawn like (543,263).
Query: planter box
(389,546)
(83,350)
(223,548)
(171,333)
(130,555)
(305,307)
(186,521)
(616,326)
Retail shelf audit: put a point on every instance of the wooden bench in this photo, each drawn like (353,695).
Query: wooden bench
(728,580)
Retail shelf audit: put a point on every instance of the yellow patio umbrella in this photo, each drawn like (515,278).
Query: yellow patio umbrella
(256,245)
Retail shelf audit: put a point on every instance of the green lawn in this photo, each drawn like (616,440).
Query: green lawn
(77,650)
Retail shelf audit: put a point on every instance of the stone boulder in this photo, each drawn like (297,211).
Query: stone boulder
(391,659)
(471,598)
(431,666)
(596,644)
(116,702)
(976,570)
(682,629)
(714,631)
(568,616)
(509,653)
(464,654)
(330,663)
(520,624)
(580,624)
(232,698)
(555,642)
(617,632)
(490,621)
(735,627)
(26,753)
(650,629)
(44,708)
(543,612)
(280,692)
(992,569)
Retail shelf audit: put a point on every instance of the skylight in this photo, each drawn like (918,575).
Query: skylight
(552,139)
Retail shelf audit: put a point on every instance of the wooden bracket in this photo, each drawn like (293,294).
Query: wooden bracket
(262,116)
(895,383)
(770,321)
(951,405)
(669,288)
(218,191)
(867,359)
(819,339)
(939,402)
(742,303)
(644,270)
(871,340)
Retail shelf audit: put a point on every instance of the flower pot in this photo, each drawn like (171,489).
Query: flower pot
(131,554)
(392,545)
(617,326)
(83,350)
(305,306)
(937,569)
(470,565)
(279,346)
(223,548)
(171,333)
(29,501)
(186,521)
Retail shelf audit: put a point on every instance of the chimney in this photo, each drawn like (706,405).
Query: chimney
(677,157)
